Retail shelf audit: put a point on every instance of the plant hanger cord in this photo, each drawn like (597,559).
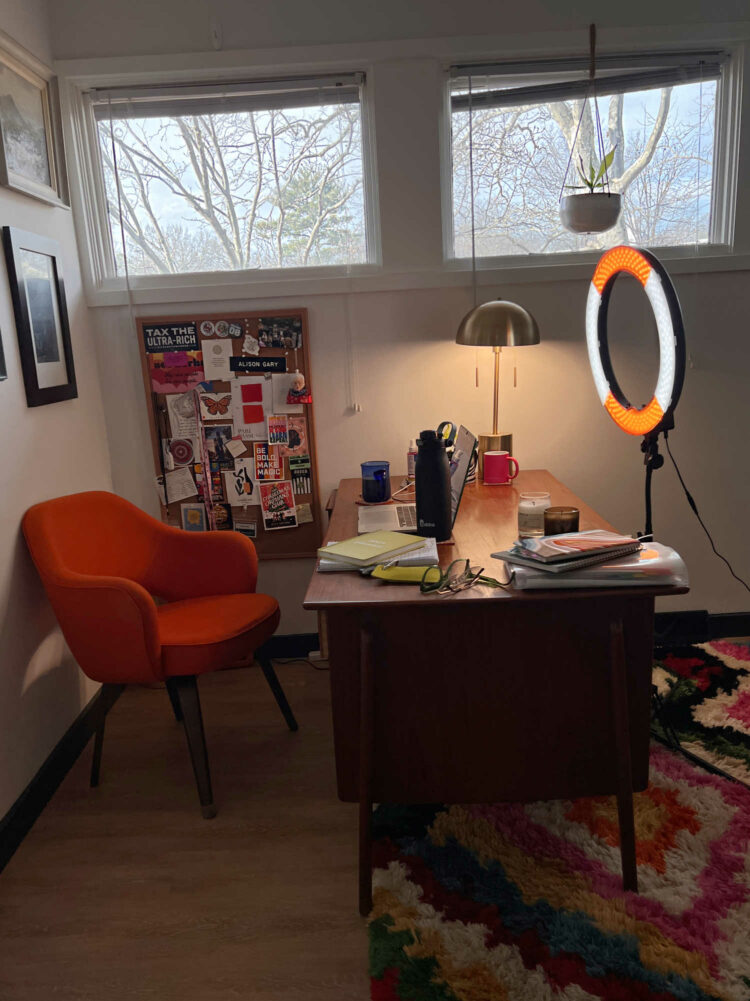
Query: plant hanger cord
(597,119)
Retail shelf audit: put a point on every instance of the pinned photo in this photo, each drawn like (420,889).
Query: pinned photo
(217,438)
(280,332)
(297,434)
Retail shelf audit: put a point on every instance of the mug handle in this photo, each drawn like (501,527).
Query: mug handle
(514,474)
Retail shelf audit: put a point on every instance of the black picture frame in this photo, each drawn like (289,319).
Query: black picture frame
(38,292)
(3,369)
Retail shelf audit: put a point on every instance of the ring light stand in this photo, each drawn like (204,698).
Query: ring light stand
(657,415)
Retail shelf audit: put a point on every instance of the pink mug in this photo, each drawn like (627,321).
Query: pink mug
(499,468)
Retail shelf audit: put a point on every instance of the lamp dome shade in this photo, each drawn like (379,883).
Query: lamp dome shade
(498,324)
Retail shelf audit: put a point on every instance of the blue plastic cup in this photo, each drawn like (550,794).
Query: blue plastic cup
(376,482)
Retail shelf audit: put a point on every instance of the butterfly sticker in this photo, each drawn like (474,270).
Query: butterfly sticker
(215,405)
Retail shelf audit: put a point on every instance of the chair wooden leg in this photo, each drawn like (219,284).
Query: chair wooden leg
(174,699)
(107,698)
(625,816)
(96,760)
(186,690)
(275,685)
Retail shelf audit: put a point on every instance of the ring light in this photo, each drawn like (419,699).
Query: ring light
(656,415)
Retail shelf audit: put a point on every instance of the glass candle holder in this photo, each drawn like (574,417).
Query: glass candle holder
(531,508)
(560,519)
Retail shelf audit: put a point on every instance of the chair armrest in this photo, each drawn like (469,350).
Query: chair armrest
(194,564)
(110,625)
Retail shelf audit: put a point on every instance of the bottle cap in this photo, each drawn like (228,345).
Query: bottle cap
(428,435)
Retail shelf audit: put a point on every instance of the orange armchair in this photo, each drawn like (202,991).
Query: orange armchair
(103,562)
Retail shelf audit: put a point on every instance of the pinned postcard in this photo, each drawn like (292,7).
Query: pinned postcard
(251,400)
(214,406)
(283,382)
(297,432)
(239,488)
(193,517)
(216,355)
(175,371)
(180,486)
(236,447)
(217,438)
(182,419)
(304,514)
(269,464)
(277,505)
(277,430)
(299,474)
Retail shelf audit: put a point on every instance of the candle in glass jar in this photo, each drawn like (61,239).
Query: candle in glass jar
(531,508)
(560,519)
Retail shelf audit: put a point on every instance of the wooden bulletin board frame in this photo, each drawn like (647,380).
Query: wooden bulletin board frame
(287,543)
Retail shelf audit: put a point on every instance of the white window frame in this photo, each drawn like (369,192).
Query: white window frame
(103,287)
(727,123)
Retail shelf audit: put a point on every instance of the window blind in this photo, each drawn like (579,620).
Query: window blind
(177,100)
(498,85)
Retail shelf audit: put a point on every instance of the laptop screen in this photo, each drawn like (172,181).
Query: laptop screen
(463,451)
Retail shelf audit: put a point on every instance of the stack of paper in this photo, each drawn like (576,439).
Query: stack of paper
(569,551)
(424,556)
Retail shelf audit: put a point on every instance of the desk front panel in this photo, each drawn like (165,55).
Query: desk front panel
(490,702)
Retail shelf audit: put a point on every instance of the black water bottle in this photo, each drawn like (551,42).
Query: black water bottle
(432,480)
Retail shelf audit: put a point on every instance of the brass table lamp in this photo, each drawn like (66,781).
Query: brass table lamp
(497,324)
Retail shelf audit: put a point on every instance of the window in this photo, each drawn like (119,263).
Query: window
(658,112)
(231,177)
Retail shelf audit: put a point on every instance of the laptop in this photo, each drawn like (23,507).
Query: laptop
(403,517)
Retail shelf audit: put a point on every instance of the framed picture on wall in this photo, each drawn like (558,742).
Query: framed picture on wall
(38,293)
(31,151)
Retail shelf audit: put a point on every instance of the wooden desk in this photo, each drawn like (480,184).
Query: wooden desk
(486,695)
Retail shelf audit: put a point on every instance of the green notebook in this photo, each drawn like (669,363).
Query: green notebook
(371,548)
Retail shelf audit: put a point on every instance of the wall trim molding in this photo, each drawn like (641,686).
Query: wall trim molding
(22,816)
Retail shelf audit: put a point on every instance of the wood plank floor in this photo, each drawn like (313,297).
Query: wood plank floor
(125,892)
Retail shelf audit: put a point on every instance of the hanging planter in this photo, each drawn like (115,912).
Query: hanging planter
(594,208)
(593,212)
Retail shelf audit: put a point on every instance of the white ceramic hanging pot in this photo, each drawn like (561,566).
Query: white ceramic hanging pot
(590,213)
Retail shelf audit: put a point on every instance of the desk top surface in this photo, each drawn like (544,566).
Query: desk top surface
(487,521)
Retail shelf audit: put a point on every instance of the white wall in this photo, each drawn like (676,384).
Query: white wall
(45,451)
(411,374)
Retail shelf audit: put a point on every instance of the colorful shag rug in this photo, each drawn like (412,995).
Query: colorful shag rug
(525,902)
(705,692)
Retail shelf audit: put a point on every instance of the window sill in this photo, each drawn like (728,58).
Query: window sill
(242,287)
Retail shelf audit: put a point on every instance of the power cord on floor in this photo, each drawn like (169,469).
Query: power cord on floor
(694,506)
(304,660)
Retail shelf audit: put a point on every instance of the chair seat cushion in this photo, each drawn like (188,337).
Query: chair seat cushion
(206,634)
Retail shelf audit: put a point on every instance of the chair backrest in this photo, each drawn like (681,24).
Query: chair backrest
(91,533)
(94,552)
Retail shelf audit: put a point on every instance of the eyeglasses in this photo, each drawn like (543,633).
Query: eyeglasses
(459,576)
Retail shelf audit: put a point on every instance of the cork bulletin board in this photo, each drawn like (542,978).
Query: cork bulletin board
(230,406)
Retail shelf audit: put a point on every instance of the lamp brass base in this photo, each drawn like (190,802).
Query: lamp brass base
(502,442)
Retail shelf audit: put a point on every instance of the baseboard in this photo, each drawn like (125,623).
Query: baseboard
(292,645)
(698,626)
(21,817)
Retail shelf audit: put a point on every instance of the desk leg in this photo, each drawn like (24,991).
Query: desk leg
(619,694)
(366,734)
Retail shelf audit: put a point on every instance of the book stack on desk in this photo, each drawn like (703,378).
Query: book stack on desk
(569,551)
(363,552)
(640,564)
